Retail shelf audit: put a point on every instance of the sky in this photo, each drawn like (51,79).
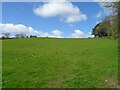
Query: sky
(52,19)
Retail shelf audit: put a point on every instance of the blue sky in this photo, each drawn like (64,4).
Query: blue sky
(23,13)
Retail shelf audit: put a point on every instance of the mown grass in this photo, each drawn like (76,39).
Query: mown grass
(59,63)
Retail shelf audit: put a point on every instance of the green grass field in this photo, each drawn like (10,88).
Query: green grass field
(59,63)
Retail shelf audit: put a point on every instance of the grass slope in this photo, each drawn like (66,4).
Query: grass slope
(54,63)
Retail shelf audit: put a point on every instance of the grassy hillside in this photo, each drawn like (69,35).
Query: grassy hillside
(58,63)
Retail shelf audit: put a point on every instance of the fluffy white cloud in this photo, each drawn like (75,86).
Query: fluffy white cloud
(65,10)
(20,28)
(56,33)
(78,34)
(89,35)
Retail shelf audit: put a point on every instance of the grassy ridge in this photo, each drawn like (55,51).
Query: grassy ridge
(46,62)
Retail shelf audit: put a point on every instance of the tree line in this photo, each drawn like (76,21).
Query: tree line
(19,35)
(110,25)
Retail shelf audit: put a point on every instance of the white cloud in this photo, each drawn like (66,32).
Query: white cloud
(16,28)
(56,33)
(78,34)
(90,34)
(65,10)
(20,28)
